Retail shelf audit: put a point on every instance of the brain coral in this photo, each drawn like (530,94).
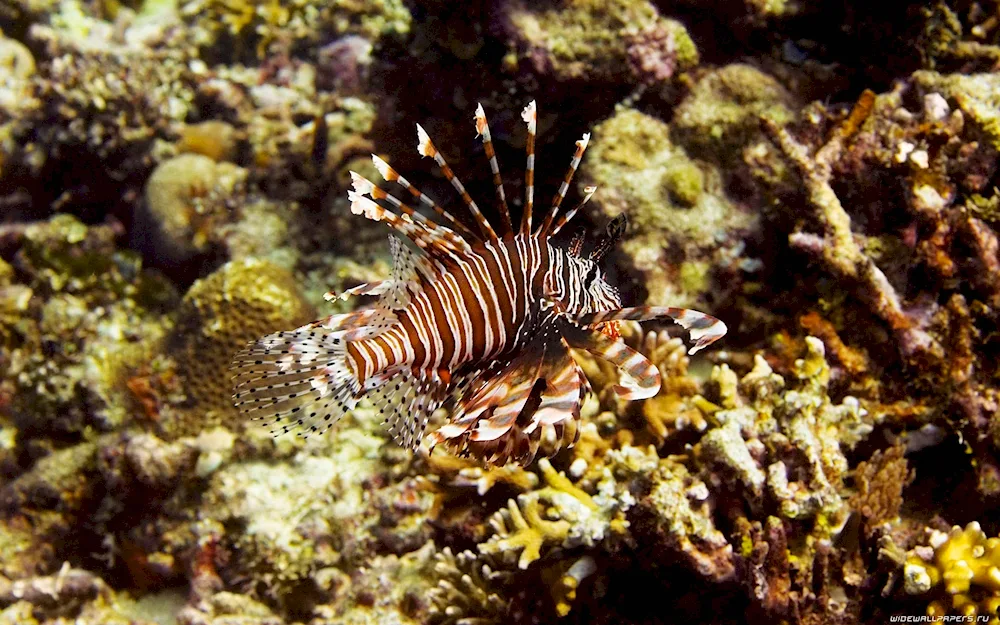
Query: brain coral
(238,302)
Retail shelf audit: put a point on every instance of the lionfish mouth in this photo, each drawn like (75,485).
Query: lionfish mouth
(451,326)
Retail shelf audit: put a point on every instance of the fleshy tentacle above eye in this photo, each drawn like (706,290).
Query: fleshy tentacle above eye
(703,329)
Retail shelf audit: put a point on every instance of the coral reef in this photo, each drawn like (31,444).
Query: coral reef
(188,200)
(720,115)
(823,177)
(962,562)
(682,223)
(618,41)
(79,312)
(250,27)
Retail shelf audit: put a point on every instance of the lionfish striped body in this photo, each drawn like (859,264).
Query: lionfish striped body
(478,322)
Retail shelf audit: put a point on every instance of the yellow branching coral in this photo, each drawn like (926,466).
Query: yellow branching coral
(466,472)
(564,578)
(675,407)
(966,563)
(560,514)
(524,530)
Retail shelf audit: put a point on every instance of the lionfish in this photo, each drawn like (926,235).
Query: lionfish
(477,320)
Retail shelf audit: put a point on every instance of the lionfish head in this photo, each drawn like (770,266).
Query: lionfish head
(587,278)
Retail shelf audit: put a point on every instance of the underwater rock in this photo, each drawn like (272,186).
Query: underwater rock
(721,115)
(620,41)
(675,517)
(681,222)
(40,510)
(344,65)
(228,608)
(247,29)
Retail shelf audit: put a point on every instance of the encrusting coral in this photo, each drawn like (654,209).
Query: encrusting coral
(217,316)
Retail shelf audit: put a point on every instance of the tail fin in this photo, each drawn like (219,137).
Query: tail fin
(298,380)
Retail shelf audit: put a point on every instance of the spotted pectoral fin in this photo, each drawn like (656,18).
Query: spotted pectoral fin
(296,381)
(703,329)
(640,378)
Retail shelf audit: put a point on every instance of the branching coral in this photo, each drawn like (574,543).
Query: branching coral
(558,515)
(467,591)
(918,260)
(464,472)
(837,247)
(965,563)
(787,444)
